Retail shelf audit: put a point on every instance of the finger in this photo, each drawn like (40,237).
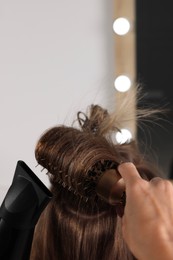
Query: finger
(156,180)
(129,172)
(160,183)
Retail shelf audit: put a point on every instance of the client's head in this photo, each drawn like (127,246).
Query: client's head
(77,223)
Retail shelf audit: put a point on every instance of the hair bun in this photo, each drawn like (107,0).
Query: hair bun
(94,121)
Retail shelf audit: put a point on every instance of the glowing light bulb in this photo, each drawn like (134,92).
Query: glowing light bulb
(122,83)
(121,26)
(123,136)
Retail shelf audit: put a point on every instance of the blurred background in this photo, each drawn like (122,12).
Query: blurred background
(58,57)
(154,69)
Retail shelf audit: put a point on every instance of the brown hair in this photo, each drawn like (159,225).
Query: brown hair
(77,224)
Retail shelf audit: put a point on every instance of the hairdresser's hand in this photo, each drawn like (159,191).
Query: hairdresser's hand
(148,217)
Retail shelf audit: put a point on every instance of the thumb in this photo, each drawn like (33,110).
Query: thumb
(129,173)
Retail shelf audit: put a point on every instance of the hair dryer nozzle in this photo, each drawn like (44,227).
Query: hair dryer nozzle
(22,206)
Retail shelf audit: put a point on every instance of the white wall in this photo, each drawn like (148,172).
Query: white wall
(56,57)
